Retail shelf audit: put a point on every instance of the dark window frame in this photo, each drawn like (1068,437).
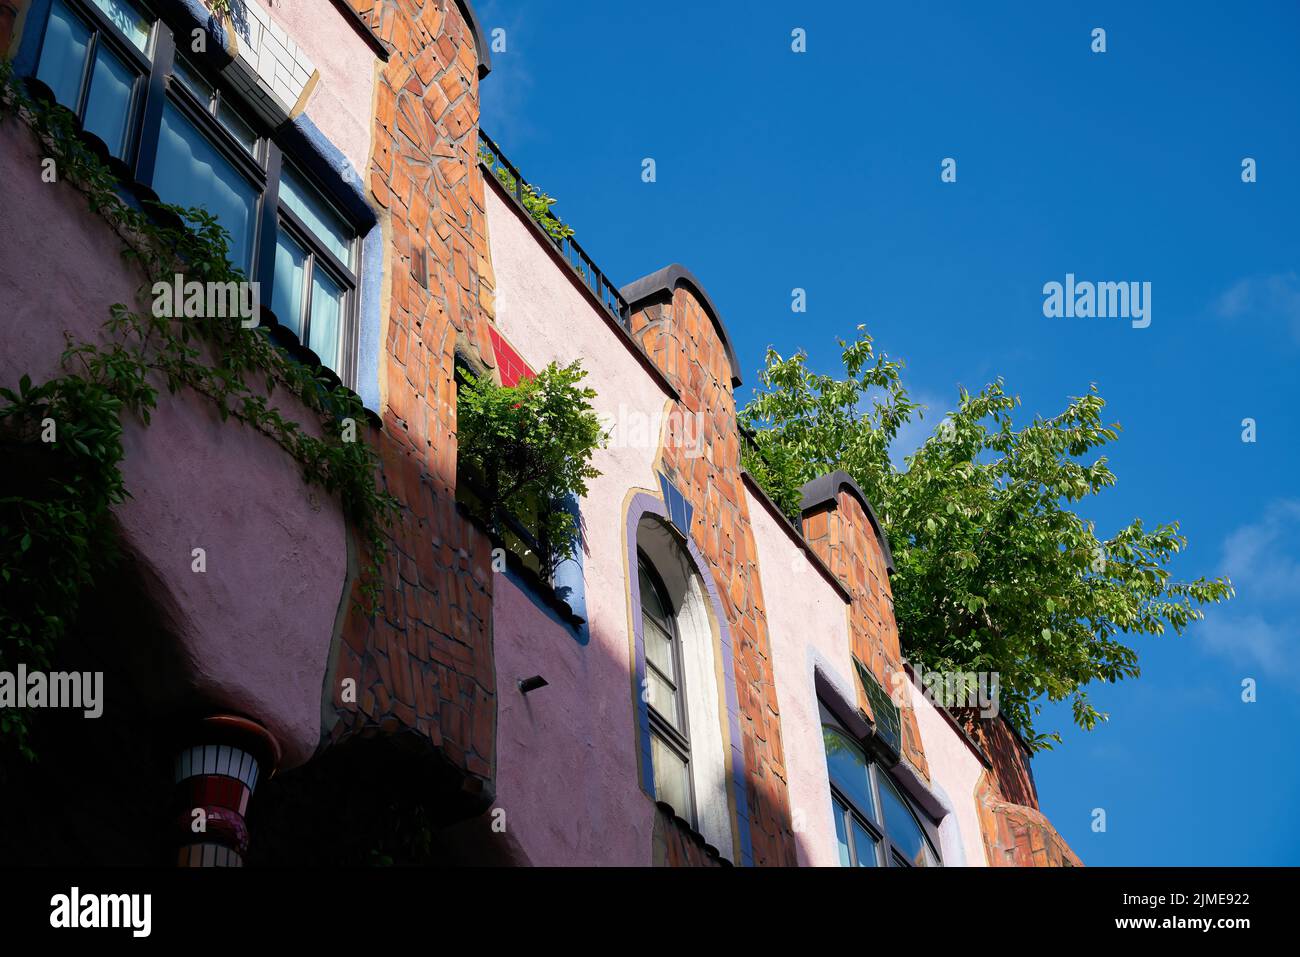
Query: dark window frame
(888,852)
(157,85)
(204,115)
(677,740)
(848,816)
(106,33)
(319,256)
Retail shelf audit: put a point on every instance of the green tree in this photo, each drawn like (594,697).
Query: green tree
(996,572)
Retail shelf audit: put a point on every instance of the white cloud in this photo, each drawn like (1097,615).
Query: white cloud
(1260,628)
(1257,558)
(1251,641)
(1273,299)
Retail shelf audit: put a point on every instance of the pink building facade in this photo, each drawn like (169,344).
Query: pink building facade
(704,683)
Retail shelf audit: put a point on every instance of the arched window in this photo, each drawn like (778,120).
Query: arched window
(670,746)
(686,738)
(875,823)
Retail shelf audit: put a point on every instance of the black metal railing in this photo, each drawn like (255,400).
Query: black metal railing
(561,235)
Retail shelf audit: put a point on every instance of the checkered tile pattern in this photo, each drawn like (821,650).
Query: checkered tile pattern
(269,69)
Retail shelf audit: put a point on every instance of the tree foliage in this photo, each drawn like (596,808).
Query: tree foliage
(996,571)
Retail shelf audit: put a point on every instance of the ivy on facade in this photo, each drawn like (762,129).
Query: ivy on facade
(55,521)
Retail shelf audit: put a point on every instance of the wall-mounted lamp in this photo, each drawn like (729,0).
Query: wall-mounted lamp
(531,684)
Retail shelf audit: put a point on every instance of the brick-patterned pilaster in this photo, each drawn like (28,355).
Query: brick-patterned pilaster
(1016,835)
(682,340)
(424,661)
(844,537)
(1015,832)
(1011,771)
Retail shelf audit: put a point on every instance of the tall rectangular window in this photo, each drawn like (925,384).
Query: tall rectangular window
(193,172)
(314,278)
(670,747)
(94,60)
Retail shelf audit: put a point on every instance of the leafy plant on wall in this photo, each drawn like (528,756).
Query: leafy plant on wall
(996,571)
(54,514)
(528,448)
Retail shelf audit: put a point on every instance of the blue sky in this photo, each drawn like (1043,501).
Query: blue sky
(820,170)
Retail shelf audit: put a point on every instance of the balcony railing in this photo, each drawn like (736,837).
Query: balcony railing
(583,266)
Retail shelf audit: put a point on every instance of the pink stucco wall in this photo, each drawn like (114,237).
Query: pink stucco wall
(566,765)
(342,104)
(808,624)
(581,730)
(255,629)
(955,769)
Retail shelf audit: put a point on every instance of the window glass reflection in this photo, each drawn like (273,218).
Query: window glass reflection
(63,55)
(326,318)
(239,128)
(133,24)
(671,783)
(841,835)
(192,172)
(848,770)
(901,826)
(290,279)
(109,103)
(864,845)
(192,80)
(316,214)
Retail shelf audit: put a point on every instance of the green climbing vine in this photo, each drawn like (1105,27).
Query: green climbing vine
(65,434)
